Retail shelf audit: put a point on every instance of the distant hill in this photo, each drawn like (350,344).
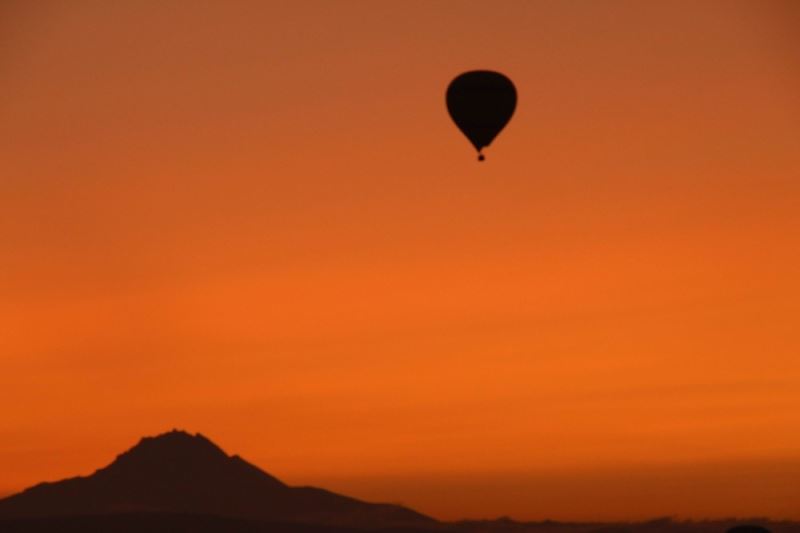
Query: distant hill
(170,523)
(198,523)
(189,475)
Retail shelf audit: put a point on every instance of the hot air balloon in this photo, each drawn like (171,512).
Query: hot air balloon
(481,103)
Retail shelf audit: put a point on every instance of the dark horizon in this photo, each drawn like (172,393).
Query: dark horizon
(192,450)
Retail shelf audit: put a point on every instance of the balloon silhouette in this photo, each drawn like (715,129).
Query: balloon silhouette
(481,103)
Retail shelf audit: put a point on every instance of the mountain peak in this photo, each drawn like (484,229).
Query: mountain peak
(180,440)
(180,472)
(177,437)
(171,449)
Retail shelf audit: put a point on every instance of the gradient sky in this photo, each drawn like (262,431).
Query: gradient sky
(255,220)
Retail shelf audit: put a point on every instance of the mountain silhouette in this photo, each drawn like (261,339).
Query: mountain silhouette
(177,472)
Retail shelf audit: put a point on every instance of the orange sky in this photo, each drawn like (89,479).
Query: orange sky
(255,220)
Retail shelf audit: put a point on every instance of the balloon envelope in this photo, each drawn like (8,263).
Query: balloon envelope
(481,103)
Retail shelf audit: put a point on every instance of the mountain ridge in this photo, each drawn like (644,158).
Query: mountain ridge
(183,473)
